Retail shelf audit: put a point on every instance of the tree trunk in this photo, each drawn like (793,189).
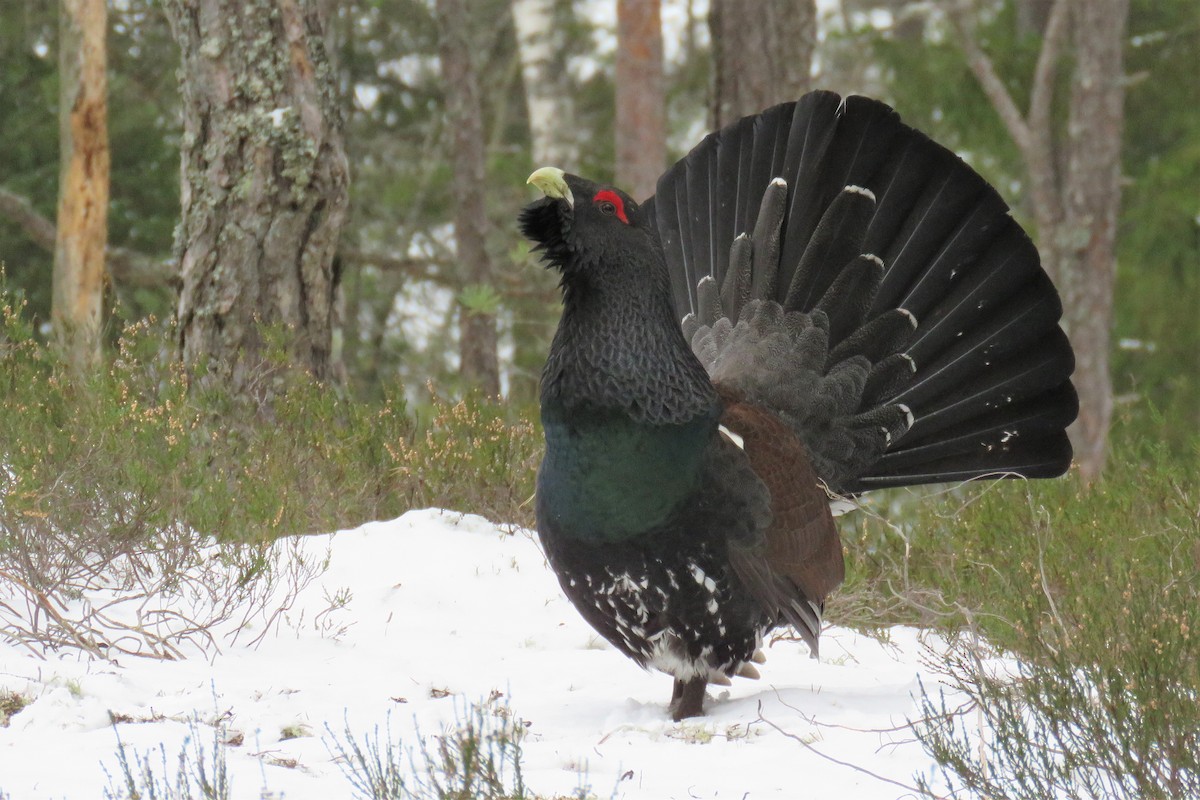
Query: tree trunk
(1074,186)
(82,230)
(479,365)
(1032,16)
(1091,201)
(264,188)
(763,54)
(641,121)
(547,92)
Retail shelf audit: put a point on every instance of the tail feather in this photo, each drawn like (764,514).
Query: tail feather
(930,223)
(837,239)
(1025,376)
(765,160)
(699,217)
(847,301)
(859,279)
(1043,460)
(964,257)
(765,242)
(735,289)
(877,339)
(812,132)
(1024,423)
(982,291)
(1027,323)
(730,193)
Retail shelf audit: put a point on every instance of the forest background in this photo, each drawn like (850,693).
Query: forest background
(261,277)
(402,291)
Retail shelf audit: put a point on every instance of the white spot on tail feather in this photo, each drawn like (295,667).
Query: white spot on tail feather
(873,259)
(778,182)
(912,319)
(865,192)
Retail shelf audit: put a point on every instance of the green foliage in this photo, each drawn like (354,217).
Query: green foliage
(130,452)
(143,135)
(1156,366)
(933,88)
(11,703)
(1095,589)
(479,299)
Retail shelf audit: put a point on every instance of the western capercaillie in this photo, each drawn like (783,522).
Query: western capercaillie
(816,302)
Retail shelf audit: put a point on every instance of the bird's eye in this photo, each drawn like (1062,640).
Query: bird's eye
(611,204)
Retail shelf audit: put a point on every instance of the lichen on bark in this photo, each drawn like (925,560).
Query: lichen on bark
(265,179)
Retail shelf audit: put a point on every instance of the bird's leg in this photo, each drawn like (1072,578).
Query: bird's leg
(687,698)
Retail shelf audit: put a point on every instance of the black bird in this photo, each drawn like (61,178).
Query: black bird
(859,310)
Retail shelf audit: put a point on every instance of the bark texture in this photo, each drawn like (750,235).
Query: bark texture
(264,187)
(547,92)
(1092,200)
(82,231)
(641,119)
(1074,183)
(479,364)
(763,52)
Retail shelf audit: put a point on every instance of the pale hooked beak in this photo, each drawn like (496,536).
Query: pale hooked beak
(550,180)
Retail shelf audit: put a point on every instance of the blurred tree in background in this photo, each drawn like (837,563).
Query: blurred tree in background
(82,221)
(546,72)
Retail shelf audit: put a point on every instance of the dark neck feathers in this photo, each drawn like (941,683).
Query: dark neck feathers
(619,347)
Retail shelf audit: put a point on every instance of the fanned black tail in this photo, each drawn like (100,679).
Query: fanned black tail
(846,271)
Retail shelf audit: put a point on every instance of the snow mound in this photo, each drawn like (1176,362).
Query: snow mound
(418,617)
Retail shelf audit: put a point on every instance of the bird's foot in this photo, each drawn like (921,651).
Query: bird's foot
(687,698)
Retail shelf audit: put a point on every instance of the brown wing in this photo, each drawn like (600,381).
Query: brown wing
(801,562)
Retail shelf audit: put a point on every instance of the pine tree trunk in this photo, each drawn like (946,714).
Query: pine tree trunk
(763,52)
(641,119)
(1091,202)
(82,228)
(264,188)
(479,365)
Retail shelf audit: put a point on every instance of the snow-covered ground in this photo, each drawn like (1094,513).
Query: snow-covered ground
(418,617)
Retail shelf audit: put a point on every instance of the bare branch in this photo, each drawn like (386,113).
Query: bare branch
(1041,98)
(425,269)
(985,72)
(830,758)
(19,210)
(127,267)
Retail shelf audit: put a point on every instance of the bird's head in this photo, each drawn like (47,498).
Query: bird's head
(581,226)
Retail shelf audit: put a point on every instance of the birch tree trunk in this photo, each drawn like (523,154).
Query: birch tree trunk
(479,365)
(264,188)
(82,230)
(641,116)
(547,93)
(762,53)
